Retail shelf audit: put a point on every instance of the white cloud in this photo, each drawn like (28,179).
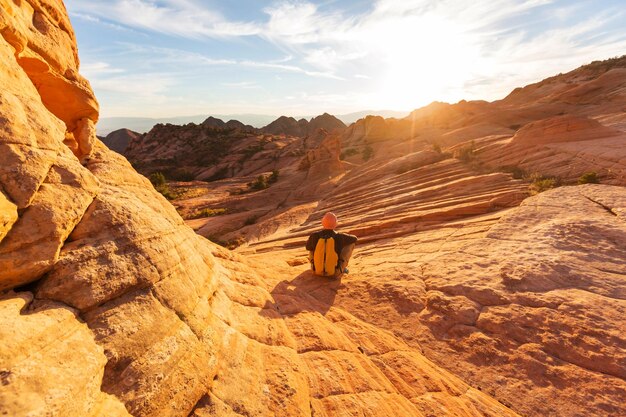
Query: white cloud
(155,56)
(407,52)
(174,17)
(93,69)
(137,85)
(289,68)
(242,84)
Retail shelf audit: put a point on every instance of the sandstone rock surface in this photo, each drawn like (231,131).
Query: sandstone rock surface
(50,363)
(8,216)
(525,294)
(135,314)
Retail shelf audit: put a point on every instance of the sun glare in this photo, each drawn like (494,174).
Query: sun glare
(426,59)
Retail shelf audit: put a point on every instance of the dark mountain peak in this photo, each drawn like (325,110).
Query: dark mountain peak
(118,140)
(213,122)
(284,125)
(326,121)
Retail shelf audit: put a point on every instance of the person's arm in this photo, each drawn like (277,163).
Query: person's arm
(310,244)
(348,239)
(347,246)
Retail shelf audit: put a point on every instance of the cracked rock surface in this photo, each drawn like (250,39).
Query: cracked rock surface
(458,303)
(112,306)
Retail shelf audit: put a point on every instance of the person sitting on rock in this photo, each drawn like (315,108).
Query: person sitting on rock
(329,251)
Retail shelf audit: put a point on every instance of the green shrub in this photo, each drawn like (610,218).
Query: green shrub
(165,191)
(207,212)
(517,172)
(264,181)
(367,153)
(158,181)
(259,184)
(157,178)
(466,153)
(273,177)
(589,178)
(230,244)
(540,184)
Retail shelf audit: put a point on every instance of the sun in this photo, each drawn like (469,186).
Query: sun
(424,59)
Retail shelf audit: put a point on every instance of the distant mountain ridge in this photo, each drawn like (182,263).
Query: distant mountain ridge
(118,140)
(303,127)
(107,125)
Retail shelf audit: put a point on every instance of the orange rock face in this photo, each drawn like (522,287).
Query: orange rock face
(51,364)
(521,297)
(112,306)
(464,298)
(562,129)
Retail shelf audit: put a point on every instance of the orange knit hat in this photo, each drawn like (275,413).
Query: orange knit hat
(329,221)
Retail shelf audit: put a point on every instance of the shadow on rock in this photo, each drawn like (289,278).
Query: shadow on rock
(306,292)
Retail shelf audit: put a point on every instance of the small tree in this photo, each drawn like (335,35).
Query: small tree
(368,152)
(540,183)
(260,183)
(157,179)
(589,178)
(466,153)
(273,177)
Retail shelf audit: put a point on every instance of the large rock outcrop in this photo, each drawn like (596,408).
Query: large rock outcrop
(528,300)
(112,306)
(42,40)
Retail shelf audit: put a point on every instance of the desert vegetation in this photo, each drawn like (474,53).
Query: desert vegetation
(589,178)
(540,183)
(466,153)
(264,181)
(208,212)
(160,184)
(367,152)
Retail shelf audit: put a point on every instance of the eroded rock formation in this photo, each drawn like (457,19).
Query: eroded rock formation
(112,306)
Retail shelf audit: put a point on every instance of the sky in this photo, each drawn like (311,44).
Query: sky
(168,58)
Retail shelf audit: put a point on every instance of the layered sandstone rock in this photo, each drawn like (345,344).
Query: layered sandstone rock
(529,301)
(210,151)
(133,313)
(561,129)
(446,261)
(323,161)
(43,44)
(564,147)
(8,216)
(50,363)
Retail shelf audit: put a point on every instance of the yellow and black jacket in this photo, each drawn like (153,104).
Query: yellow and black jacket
(325,248)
